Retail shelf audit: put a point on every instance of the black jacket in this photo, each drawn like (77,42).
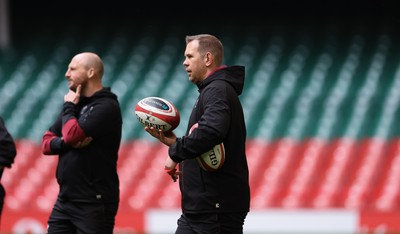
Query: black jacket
(87,174)
(220,118)
(8,149)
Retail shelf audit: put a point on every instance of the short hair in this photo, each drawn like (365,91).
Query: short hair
(208,43)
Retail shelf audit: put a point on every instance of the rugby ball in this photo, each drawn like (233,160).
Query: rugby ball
(213,159)
(158,113)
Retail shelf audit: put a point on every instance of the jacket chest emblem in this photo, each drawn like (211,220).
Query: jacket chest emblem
(86,110)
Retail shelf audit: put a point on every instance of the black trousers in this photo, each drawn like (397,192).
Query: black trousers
(80,217)
(223,223)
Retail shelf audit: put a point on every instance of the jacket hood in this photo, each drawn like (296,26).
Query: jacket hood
(233,74)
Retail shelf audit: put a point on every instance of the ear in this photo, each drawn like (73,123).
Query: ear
(90,73)
(208,59)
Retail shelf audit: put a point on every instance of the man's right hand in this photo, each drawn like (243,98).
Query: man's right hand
(166,138)
(72,96)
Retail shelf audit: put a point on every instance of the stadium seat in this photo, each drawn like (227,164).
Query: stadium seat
(360,189)
(134,157)
(258,160)
(274,178)
(388,192)
(333,175)
(305,175)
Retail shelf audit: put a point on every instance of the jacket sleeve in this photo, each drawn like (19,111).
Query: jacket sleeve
(213,125)
(52,142)
(8,149)
(72,132)
(71,128)
(99,119)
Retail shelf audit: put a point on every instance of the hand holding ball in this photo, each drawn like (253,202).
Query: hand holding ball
(213,159)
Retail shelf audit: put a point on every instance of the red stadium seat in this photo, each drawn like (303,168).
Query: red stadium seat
(333,174)
(273,179)
(360,189)
(306,172)
(388,193)
(258,156)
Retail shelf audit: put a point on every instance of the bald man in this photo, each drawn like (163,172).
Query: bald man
(86,137)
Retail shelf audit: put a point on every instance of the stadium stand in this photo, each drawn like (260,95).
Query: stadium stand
(302,93)
(321,106)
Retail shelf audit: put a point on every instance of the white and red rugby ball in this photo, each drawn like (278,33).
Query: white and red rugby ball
(213,159)
(158,113)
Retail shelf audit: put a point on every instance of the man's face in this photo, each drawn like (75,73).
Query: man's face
(194,63)
(76,74)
